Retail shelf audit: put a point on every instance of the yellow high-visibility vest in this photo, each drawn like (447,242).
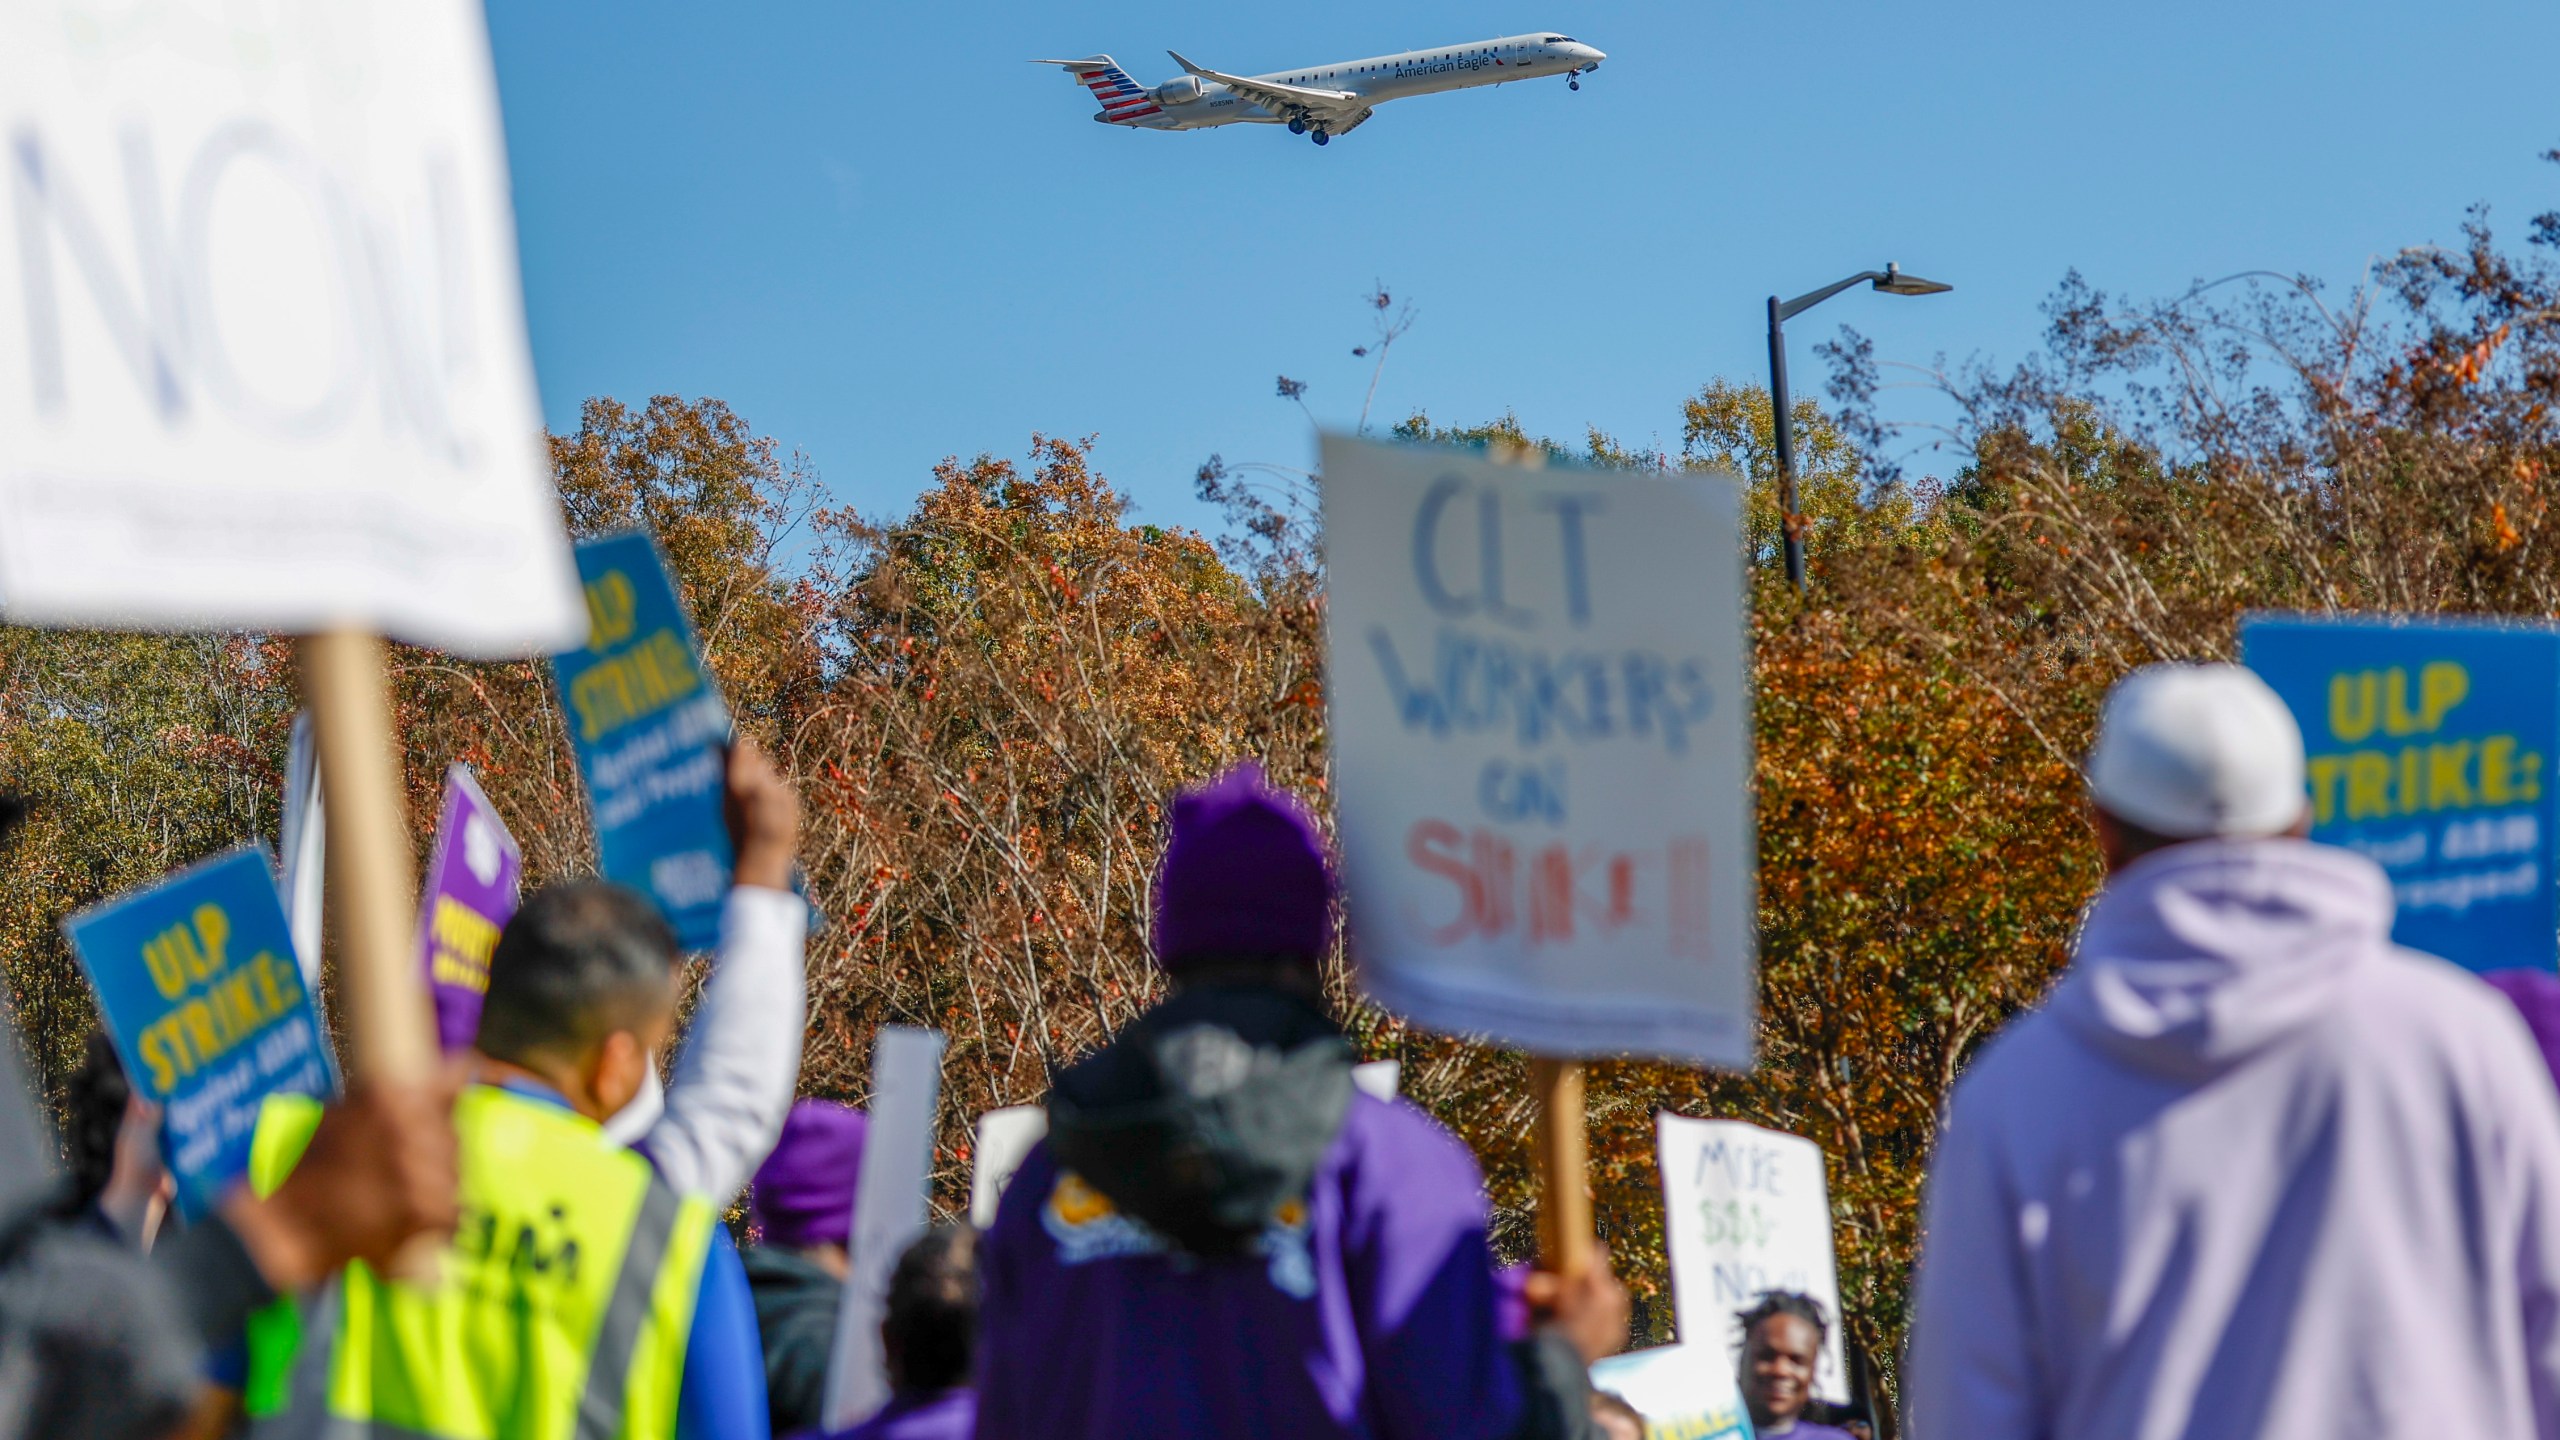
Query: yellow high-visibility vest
(561,1313)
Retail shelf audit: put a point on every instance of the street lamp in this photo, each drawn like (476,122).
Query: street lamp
(1891,281)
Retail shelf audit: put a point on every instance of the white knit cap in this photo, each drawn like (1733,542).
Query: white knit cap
(2189,751)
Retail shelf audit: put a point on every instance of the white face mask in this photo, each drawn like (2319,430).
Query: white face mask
(633,1120)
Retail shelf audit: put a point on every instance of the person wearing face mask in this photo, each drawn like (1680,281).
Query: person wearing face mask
(585,1290)
(1781,1346)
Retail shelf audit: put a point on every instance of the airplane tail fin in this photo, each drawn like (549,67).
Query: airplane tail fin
(1122,98)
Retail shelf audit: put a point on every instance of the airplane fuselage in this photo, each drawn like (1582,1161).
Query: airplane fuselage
(1191,104)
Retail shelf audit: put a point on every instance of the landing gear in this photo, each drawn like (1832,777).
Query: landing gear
(1322,138)
(1573,84)
(1297,124)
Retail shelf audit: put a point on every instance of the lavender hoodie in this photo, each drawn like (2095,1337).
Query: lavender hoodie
(2250,1171)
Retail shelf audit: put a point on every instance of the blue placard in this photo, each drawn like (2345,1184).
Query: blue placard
(2430,748)
(207,1006)
(649,727)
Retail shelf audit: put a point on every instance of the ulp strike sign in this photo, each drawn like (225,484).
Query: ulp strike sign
(2429,749)
(208,1008)
(646,719)
(1542,749)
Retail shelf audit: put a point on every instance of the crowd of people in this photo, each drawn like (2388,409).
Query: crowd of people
(2250,1170)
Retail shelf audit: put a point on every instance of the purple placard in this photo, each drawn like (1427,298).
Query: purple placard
(471,893)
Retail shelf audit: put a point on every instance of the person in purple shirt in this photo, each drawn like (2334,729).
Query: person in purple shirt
(1220,1236)
(802,1206)
(928,1338)
(1781,1344)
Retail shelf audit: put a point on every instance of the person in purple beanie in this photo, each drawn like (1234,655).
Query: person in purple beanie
(802,1207)
(928,1337)
(1220,1236)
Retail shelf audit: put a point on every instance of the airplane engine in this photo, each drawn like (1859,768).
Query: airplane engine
(1180,91)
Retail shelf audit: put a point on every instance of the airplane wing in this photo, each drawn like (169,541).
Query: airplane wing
(1338,109)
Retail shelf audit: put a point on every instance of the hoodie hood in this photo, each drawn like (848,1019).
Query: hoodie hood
(1207,1114)
(2198,956)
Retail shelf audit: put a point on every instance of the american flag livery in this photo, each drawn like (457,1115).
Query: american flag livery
(1122,98)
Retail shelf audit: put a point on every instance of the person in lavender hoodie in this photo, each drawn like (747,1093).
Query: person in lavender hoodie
(1221,1237)
(2251,1169)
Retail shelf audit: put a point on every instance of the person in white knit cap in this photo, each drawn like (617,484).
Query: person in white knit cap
(2251,1169)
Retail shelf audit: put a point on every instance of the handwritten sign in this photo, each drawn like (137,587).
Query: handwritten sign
(2429,749)
(1684,1392)
(1745,1212)
(1542,753)
(262,346)
(208,1009)
(470,896)
(646,719)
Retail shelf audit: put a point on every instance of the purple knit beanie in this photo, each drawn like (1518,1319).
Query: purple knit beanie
(2536,996)
(1245,874)
(804,1191)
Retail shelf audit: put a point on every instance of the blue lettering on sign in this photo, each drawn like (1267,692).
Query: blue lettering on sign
(1487,599)
(1510,791)
(1474,685)
(159,313)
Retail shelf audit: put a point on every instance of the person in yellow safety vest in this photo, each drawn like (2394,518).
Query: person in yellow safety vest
(582,1297)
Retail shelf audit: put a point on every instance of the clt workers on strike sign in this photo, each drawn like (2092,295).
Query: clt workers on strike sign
(1542,749)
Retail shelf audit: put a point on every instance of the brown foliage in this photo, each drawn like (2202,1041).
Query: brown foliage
(989,702)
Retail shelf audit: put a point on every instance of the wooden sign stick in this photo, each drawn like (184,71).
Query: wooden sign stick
(390,1030)
(1559,1135)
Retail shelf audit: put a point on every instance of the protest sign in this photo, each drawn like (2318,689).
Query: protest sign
(470,895)
(1003,1142)
(267,364)
(208,1009)
(888,1213)
(1541,749)
(302,851)
(1684,1392)
(2429,747)
(1745,1211)
(646,719)
(1378,1079)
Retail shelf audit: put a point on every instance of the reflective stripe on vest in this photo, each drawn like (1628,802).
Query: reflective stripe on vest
(520,1341)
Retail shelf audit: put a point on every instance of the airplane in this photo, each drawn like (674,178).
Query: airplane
(1322,100)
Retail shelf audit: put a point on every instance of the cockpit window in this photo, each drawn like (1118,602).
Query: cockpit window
(1559,39)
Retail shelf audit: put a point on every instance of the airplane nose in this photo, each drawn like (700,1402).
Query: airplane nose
(1591,54)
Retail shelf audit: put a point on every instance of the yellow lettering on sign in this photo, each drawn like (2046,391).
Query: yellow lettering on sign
(187,954)
(641,681)
(612,610)
(206,1027)
(2360,701)
(2445,775)
(463,940)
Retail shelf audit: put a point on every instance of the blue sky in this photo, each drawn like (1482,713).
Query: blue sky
(885,239)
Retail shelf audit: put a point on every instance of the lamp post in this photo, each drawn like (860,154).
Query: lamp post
(1891,281)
